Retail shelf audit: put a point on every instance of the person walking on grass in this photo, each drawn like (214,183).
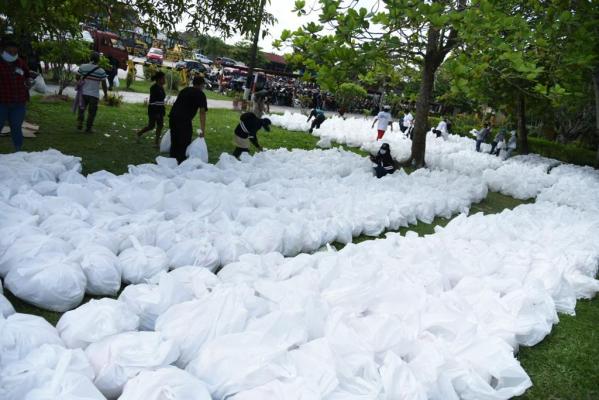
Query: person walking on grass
(384,121)
(497,142)
(14,91)
(189,101)
(482,135)
(90,77)
(156,108)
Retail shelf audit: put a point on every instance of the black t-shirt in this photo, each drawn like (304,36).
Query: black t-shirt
(187,104)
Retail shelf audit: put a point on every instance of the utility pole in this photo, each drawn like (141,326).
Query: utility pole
(248,83)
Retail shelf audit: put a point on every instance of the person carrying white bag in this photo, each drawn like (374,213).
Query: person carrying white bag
(198,149)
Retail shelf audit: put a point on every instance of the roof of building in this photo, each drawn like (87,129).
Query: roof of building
(275,58)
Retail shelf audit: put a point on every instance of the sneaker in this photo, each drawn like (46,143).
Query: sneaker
(89,130)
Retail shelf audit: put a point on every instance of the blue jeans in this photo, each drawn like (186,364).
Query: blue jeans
(15,114)
(478,143)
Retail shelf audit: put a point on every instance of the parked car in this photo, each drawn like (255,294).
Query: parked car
(155,56)
(202,58)
(191,66)
(227,62)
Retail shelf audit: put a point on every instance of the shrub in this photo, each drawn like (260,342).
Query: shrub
(348,94)
(149,71)
(114,99)
(130,75)
(173,79)
(63,52)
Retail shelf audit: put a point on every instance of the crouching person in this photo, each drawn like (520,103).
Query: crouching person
(511,145)
(384,162)
(247,130)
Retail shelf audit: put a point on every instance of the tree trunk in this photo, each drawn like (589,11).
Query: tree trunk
(596,90)
(254,52)
(421,121)
(521,116)
(432,60)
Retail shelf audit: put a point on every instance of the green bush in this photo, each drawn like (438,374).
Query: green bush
(114,99)
(173,79)
(130,77)
(149,71)
(349,94)
(563,152)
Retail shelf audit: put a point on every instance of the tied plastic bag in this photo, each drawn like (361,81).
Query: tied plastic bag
(171,382)
(116,82)
(198,149)
(94,321)
(165,142)
(100,266)
(66,385)
(118,358)
(53,282)
(39,84)
(20,377)
(21,333)
(6,308)
(139,263)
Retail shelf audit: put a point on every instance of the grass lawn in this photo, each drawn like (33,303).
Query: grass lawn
(564,366)
(140,86)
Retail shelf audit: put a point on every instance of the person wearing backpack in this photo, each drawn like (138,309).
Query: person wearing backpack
(14,91)
(90,77)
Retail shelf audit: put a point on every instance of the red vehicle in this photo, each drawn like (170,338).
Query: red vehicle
(155,56)
(110,45)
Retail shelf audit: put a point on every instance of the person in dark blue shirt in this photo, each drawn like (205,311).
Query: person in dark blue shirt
(156,108)
(319,118)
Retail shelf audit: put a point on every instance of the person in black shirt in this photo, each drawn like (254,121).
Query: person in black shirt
(155,108)
(384,162)
(189,101)
(246,131)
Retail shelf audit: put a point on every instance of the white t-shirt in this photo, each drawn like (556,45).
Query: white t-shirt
(384,118)
(408,119)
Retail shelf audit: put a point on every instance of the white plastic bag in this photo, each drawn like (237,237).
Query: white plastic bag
(101,268)
(198,149)
(52,282)
(94,321)
(148,301)
(170,381)
(21,333)
(20,377)
(39,84)
(198,253)
(118,358)
(165,142)
(6,308)
(66,385)
(139,263)
(116,82)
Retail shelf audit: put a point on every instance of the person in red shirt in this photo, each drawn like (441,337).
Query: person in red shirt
(14,91)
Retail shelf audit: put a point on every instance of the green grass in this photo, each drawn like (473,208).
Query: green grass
(142,86)
(564,366)
(118,150)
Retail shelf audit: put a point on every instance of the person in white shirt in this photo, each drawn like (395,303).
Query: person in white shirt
(441,129)
(408,122)
(384,120)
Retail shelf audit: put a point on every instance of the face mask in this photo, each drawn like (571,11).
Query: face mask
(9,57)
(383,151)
